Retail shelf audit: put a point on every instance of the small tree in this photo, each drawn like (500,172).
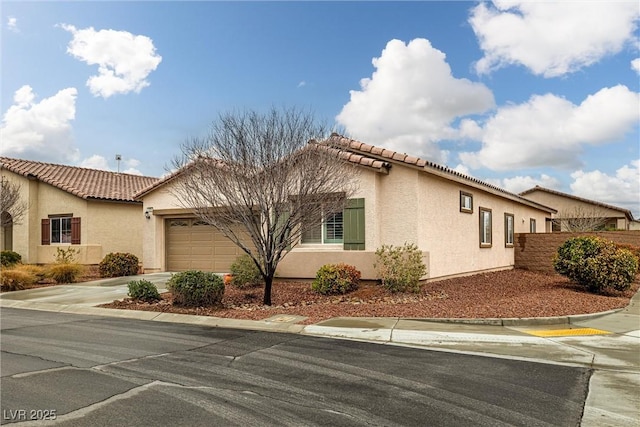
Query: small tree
(12,207)
(580,219)
(263,180)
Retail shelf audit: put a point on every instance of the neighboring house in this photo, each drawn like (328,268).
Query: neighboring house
(90,210)
(461,225)
(579,214)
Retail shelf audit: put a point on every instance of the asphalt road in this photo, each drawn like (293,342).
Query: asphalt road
(73,370)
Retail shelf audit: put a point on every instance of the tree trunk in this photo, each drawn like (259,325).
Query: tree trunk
(267,290)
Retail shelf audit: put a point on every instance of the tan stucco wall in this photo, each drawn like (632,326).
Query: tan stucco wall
(116,227)
(105,226)
(567,206)
(407,205)
(161,205)
(452,238)
(21,229)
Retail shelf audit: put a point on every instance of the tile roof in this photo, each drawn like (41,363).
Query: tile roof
(627,212)
(357,159)
(390,156)
(81,182)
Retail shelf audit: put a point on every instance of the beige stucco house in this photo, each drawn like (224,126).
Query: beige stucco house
(579,214)
(90,210)
(461,224)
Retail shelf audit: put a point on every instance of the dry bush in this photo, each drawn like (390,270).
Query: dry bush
(15,279)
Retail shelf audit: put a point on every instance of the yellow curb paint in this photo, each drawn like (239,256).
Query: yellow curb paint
(567,332)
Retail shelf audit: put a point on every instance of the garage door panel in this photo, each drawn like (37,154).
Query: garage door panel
(204,265)
(193,246)
(179,250)
(205,236)
(199,250)
(226,251)
(181,237)
(178,265)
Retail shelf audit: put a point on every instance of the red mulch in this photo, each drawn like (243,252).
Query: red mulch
(503,294)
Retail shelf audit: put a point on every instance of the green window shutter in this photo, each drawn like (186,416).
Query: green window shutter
(353,218)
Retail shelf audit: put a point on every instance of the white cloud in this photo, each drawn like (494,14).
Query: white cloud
(462,169)
(518,184)
(302,83)
(551,131)
(635,65)
(95,162)
(101,163)
(551,38)
(622,189)
(124,60)
(40,130)
(12,24)
(411,99)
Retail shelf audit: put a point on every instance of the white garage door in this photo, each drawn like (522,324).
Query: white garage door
(194,245)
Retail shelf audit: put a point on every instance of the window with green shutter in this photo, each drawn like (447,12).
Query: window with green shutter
(353,223)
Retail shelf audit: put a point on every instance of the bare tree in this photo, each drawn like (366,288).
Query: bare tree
(12,207)
(581,219)
(263,181)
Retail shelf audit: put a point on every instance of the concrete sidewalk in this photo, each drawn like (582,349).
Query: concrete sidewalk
(609,343)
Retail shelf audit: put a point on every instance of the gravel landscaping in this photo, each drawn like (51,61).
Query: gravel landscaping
(503,294)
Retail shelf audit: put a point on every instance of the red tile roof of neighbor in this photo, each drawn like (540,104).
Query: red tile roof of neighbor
(81,182)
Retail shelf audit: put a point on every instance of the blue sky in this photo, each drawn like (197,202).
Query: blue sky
(516,93)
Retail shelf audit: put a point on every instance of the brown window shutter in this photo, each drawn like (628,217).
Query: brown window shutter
(75,231)
(46,231)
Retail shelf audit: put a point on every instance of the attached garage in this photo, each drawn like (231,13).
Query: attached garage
(194,245)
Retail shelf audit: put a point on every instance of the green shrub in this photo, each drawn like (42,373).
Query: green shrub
(245,273)
(596,264)
(143,290)
(15,279)
(400,267)
(196,288)
(336,279)
(9,258)
(117,264)
(635,250)
(65,273)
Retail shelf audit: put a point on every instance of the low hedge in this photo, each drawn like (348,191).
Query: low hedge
(336,279)
(196,288)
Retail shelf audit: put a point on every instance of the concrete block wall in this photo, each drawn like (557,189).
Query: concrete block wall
(535,251)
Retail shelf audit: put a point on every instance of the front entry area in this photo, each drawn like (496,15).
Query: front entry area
(194,245)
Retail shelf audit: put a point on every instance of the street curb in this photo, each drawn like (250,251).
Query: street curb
(518,321)
(262,325)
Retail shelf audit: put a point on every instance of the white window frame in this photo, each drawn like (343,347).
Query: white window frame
(464,198)
(486,237)
(323,232)
(532,225)
(509,225)
(63,238)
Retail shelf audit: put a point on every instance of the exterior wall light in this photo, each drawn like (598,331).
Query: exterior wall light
(148,212)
